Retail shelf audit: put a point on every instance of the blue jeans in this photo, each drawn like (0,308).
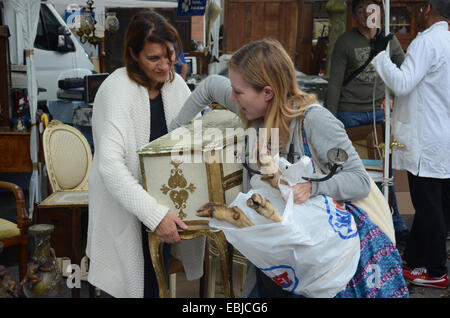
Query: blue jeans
(352,119)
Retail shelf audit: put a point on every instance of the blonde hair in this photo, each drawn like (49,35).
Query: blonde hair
(266,63)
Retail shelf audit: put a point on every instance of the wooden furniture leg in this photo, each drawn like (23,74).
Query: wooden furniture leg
(156,255)
(221,243)
(155,246)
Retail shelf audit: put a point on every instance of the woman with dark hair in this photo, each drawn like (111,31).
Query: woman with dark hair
(131,108)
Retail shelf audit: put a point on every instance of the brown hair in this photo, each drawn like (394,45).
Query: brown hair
(266,63)
(148,26)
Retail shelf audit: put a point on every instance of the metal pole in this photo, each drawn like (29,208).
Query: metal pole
(387,110)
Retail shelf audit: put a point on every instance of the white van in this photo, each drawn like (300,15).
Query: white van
(57,52)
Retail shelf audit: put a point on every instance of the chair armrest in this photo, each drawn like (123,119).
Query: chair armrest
(22,213)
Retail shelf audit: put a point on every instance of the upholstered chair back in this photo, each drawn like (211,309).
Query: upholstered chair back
(68,157)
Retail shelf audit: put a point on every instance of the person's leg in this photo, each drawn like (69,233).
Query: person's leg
(151,289)
(352,119)
(426,245)
(446,204)
(379,115)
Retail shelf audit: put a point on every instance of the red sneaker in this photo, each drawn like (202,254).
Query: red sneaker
(420,277)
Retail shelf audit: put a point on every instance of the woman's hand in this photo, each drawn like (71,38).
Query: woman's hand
(302,192)
(167,228)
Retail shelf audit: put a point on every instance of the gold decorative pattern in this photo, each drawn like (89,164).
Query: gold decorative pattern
(177,188)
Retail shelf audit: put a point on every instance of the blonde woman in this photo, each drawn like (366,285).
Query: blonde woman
(262,87)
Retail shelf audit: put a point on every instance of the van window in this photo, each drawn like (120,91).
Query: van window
(47,30)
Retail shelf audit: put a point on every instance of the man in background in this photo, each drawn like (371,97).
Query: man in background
(355,98)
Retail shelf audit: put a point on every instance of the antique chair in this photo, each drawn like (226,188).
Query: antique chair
(12,234)
(370,147)
(68,157)
(364,141)
(68,160)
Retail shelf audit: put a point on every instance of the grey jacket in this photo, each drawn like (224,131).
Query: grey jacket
(323,132)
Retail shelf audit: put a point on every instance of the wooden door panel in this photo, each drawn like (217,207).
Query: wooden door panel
(252,20)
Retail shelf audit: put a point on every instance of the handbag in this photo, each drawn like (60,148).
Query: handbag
(375,204)
(378,209)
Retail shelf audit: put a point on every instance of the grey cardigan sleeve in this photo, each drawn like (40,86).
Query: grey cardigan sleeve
(323,132)
(214,88)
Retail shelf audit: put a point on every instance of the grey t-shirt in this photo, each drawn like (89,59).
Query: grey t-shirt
(350,52)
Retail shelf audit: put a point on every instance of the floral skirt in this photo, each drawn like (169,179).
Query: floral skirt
(379,273)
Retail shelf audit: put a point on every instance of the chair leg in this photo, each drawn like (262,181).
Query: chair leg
(212,277)
(244,275)
(155,246)
(222,247)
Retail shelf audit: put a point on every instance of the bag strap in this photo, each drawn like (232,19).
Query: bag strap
(309,151)
(302,127)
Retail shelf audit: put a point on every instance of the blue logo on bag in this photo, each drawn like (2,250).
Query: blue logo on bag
(283,275)
(341,220)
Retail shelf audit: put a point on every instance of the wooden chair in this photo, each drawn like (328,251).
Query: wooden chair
(12,234)
(363,139)
(68,160)
(68,157)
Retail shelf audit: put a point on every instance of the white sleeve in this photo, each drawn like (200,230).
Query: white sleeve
(114,152)
(413,69)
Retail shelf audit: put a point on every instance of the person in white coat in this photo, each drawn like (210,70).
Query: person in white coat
(421,124)
(132,107)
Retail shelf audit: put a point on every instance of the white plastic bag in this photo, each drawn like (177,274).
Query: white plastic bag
(313,252)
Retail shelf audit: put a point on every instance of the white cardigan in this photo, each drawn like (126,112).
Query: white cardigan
(117,201)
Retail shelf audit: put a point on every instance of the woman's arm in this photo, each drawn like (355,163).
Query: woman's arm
(324,132)
(214,88)
(112,125)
